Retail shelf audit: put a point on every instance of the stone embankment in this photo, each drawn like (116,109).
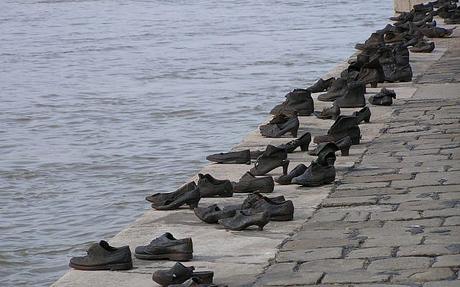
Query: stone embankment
(392,217)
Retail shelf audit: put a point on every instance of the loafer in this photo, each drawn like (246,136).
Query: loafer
(286,179)
(249,184)
(166,247)
(236,157)
(212,214)
(179,273)
(160,198)
(195,282)
(244,219)
(212,187)
(102,256)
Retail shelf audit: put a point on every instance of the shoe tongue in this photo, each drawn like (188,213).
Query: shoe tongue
(164,237)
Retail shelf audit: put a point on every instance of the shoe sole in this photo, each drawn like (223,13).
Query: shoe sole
(170,256)
(111,267)
(320,183)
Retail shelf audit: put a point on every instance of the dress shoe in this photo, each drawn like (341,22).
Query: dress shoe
(249,184)
(179,273)
(212,187)
(286,179)
(236,157)
(321,85)
(303,142)
(328,113)
(166,247)
(102,256)
(244,219)
(383,98)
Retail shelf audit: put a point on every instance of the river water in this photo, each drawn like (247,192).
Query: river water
(103,102)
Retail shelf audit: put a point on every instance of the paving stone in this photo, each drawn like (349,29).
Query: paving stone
(355,186)
(444,283)
(454,220)
(370,252)
(349,201)
(432,222)
(447,261)
(318,243)
(399,263)
(393,240)
(356,216)
(376,178)
(361,170)
(424,158)
(401,198)
(426,205)
(367,192)
(332,265)
(309,255)
(430,274)
(442,213)
(283,274)
(418,152)
(450,196)
(395,215)
(425,250)
(355,277)
(435,188)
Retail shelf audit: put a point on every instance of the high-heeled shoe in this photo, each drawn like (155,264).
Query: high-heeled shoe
(190,198)
(342,144)
(316,175)
(244,219)
(213,213)
(342,127)
(303,142)
(271,158)
(287,178)
(276,130)
(363,115)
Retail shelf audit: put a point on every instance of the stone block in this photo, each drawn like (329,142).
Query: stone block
(370,252)
(332,265)
(425,250)
(395,215)
(309,255)
(400,263)
(355,277)
(424,275)
(349,201)
(284,274)
(447,261)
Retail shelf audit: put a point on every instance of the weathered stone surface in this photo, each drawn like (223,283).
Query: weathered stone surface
(414,223)
(349,201)
(400,263)
(447,261)
(430,274)
(332,265)
(355,277)
(395,215)
(424,250)
(283,274)
(393,240)
(442,213)
(318,243)
(454,220)
(370,252)
(309,255)
(444,283)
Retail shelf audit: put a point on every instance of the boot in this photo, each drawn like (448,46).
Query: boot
(272,158)
(328,113)
(276,130)
(335,91)
(316,175)
(286,179)
(298,101)
(374,40)
(436,32)
(342,144)
(363,115)
(303,142)
(249,183)
(353,97)
(321,85)
(383,98)
(342,127)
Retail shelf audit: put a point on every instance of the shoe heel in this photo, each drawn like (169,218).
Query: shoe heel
(367,119)
(345,151)
(285,165)
(261,225)
(304,147)
(194,203)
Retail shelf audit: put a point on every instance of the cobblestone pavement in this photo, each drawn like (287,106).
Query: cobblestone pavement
(394,219)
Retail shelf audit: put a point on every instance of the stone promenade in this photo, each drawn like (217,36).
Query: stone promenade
(393,219)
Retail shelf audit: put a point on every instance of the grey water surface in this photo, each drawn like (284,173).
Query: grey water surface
(103,102)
